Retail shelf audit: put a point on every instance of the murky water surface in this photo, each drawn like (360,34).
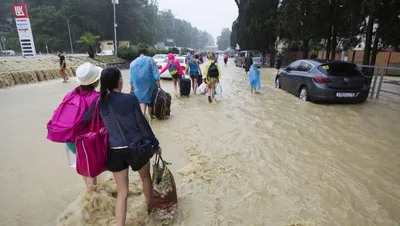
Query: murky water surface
(266,159)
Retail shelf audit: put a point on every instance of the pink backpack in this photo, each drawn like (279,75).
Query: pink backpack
(66,122)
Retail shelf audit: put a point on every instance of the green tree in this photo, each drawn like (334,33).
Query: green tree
(223,41)
(257,19)
(381,18)
(89,40)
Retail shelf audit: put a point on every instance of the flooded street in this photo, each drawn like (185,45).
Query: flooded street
(249,159)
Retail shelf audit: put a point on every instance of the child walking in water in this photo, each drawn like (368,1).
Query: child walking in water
(254,79)
(211,76)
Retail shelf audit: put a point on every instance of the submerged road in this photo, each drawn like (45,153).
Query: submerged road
(248,160)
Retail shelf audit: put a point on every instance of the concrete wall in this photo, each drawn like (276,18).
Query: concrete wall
(9,79)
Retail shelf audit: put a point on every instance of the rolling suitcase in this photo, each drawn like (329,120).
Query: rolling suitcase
(186,85)
(161,101)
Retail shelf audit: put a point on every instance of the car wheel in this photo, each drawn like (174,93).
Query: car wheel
(277,83)
(304,96)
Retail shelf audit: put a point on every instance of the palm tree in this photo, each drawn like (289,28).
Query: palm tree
(90,40)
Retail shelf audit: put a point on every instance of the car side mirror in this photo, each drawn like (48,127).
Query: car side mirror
(287,69)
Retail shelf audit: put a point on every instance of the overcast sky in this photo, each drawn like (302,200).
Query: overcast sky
(209,15)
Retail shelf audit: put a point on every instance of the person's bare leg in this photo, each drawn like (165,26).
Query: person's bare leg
(150,111)
(144,173)
(175,86)
(179,87)
(122,180)
(195,86)
(90,184)
(143,108)
(213,89)
(209,92)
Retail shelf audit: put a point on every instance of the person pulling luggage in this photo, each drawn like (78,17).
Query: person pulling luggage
(211,76)
(195,72)
(145,79)
(175,70)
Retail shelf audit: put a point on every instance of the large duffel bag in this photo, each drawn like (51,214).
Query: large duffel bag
(161,104)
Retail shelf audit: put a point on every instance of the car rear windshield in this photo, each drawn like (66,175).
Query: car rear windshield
(256,54)
(339,69)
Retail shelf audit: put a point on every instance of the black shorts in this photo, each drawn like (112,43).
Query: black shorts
(177,76)
(195,75)
(120,159)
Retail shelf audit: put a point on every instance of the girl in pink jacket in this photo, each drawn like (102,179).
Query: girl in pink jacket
(175,69)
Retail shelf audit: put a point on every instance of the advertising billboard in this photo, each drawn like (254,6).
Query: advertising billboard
(24,29)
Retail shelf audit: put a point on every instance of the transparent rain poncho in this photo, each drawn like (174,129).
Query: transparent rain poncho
(254,77)
(144,74)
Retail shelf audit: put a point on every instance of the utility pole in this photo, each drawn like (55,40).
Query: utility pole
(70,37)
(115,27)
(69,32)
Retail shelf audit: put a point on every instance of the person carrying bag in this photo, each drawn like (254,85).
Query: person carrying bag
(132,142)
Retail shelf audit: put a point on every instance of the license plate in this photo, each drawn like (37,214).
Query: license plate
(345,95)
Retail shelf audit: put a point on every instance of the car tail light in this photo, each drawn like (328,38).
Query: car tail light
(321,79)
(183,68)
(159,67)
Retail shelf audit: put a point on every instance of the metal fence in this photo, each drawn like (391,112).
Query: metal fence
(381,73)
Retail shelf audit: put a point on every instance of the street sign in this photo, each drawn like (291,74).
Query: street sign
(24,29)
(115,2)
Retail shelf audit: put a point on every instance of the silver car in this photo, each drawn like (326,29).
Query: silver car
(240,58)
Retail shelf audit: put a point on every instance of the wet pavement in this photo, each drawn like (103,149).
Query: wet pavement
(249,159)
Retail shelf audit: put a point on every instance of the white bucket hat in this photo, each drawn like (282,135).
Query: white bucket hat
(87,74)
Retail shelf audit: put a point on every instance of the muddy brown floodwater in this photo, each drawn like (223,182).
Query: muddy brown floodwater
(250,159)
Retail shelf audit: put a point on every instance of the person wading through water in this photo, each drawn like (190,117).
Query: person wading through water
(248,62)
(132,142)
(211,76)
(175,69)
(195,71)
(145,79)
(63,67)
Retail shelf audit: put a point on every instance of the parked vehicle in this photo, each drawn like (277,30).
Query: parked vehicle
(159,58)
(166,74)
(240,58)
(323,81)
(7,53)
(106,53)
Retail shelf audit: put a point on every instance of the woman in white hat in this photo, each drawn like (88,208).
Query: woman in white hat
(87,76)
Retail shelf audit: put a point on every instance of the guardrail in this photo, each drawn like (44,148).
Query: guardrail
(379,71)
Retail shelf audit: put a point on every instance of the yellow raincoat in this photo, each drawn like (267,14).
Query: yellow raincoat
(210,81)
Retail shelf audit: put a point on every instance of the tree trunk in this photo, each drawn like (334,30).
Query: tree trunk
(368,42)
(306,48)
(272,56)
(91,51)
(334,42)
(374,53)
(329,41)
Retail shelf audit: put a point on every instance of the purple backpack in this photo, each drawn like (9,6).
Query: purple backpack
(66,122)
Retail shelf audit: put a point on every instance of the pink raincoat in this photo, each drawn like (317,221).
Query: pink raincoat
(171,58)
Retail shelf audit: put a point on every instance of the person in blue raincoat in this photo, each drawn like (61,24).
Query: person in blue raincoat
(254,79)
(145,79)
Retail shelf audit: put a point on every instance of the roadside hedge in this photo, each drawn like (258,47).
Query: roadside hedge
(132,52)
